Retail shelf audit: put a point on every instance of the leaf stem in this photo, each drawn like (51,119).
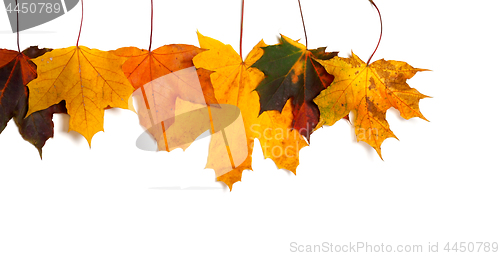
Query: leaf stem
(17,24)
(380,38)
(80,32)
(151,35)
(303,23)
(241,28)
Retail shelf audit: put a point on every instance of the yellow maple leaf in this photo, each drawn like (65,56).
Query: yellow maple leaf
(89,80)
(369,91)
(234,83)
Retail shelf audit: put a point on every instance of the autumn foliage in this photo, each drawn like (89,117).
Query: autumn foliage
(369,91)
(279,94)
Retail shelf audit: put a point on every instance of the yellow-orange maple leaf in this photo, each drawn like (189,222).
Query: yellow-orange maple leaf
(234,83)
(89,80)
(369,91)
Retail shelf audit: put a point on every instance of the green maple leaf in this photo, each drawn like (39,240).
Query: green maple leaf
(292,72)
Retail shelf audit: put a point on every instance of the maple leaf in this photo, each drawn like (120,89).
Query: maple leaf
(16,70)
(369,91)
(161,77)
(293,72)
(234,83)
(89,80)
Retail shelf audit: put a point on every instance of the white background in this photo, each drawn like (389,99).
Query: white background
(438,183)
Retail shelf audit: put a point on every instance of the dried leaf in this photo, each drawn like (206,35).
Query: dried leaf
(292,72)
(89,80)
(16,70)
(234,83)
(369,91)
(161,77)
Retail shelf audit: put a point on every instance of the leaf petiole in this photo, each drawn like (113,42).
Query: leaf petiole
(380,38)
(151,35)
(241,28)
(303,23)
(17,23)
(81,23)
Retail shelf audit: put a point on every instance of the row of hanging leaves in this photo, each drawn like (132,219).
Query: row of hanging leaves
(284,92)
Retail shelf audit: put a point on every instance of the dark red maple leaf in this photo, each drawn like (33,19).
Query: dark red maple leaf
(16,70)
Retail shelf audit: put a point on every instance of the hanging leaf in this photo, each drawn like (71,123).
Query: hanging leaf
(89,80)
(161,77)
(292,72)
(368,91)
(234,83)
(16,70)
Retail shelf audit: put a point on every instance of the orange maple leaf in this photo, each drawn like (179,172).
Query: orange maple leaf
(161,77)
